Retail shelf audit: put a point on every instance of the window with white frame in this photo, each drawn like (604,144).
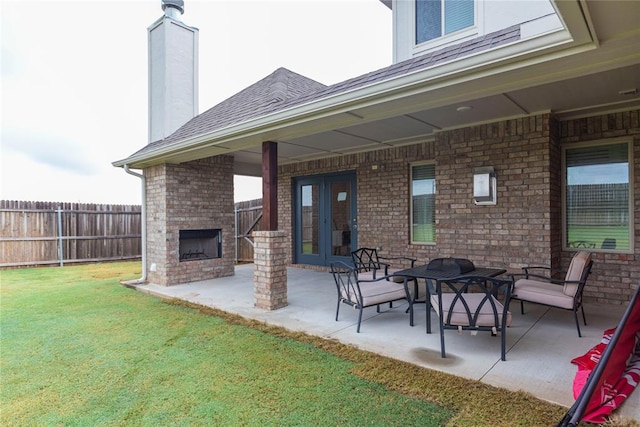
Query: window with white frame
(423,203)
(598,197)
(437,18)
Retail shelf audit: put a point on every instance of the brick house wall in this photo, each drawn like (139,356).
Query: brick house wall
(191,195)
(524,228)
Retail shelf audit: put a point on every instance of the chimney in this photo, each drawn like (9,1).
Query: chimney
(173,71)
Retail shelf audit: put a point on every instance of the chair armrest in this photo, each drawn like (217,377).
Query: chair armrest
(526,269)
(404,258)
(376,279)
(538,277)
(551,280)
(550,271)
(380,271)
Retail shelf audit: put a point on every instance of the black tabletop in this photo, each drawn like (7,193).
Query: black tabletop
(422,272)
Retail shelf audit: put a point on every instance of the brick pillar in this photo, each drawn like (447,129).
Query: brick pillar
(270,269)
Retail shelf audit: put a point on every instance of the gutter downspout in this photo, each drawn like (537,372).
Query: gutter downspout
(143,213)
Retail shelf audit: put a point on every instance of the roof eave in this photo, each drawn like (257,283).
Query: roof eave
(335,109)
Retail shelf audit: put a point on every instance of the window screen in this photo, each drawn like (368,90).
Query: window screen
(423,204)
(433,15)
(597,197)
(458,14)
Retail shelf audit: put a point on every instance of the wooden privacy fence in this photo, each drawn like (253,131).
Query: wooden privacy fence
(41,233)
(44,233)
(247,215)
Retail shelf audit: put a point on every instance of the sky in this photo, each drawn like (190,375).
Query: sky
(74,79)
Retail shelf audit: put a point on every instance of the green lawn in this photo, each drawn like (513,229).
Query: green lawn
(596,234)
(79,349)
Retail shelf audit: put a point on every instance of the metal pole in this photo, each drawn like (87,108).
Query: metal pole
(60,253)
(235,226)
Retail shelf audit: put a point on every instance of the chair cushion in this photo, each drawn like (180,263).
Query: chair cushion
(459,317)
(574,272)
(542,292)
(381,291)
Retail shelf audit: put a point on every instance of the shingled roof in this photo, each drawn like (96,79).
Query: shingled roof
(261,98)
(284,88)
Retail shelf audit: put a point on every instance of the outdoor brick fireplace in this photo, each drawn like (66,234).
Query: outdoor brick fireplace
(190,218)
(200,244)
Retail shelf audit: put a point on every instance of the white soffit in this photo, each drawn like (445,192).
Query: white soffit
(391,129)
(331,141)
(480,110)
(603,89)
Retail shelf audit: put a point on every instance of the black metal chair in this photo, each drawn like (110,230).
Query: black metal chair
(474,303)
(370,265)
(561,293)
(362,293)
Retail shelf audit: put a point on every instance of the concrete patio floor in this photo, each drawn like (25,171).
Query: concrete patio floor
(540,344)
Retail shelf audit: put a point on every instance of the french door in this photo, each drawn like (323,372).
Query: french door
(325,220)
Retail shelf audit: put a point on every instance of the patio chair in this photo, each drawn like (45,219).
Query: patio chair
(544,289)
(474,303)
(369,265)
(362,293)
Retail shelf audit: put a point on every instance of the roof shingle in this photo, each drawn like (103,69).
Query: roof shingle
(284,88)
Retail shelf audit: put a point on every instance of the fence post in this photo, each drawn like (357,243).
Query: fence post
(60,253)
(235,231)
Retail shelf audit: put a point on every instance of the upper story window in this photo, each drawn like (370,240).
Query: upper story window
(437,18)
(423,203)
(598,197)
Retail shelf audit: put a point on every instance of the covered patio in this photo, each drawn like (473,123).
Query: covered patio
(540,344)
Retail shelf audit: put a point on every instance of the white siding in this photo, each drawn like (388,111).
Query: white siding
(535,17)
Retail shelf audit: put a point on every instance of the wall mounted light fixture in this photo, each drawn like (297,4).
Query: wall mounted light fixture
(484,186)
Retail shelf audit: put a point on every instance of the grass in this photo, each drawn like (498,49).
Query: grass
(596,234)
(79,349)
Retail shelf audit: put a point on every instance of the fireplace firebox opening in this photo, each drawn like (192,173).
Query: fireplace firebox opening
(200,244)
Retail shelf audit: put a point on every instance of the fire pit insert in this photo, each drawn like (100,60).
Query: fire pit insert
(200,244)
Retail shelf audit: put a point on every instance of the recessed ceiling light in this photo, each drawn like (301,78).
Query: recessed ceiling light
(463,108)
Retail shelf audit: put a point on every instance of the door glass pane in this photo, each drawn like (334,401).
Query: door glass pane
(340,218)
(309,220)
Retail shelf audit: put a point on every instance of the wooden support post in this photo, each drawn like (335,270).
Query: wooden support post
(270,185)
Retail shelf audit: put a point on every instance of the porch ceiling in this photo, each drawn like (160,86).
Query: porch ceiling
(596,79)
(573,97)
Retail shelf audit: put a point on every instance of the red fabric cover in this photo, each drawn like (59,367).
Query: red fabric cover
(621,375)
